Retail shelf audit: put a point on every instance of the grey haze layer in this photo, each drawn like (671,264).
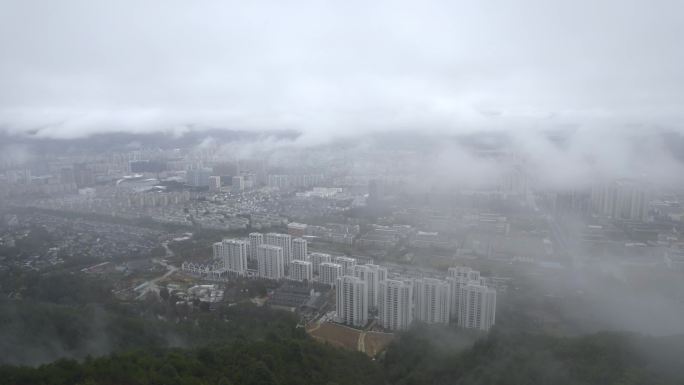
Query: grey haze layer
(329,69)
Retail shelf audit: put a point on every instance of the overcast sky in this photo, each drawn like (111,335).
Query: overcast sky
(71,68)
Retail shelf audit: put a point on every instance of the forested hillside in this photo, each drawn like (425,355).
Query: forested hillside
(425,357)
(601,359)
(97,340)
(74,316)
(273,361)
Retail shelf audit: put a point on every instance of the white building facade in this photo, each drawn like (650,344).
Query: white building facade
(299,249)
(329,272)
(372,275)
(255,240)
(316,260)
(283,241)
(478,306)
(395,304)
(300,271)
(271,262)
(431,300)
(233,254)
(352,301)
(347,263)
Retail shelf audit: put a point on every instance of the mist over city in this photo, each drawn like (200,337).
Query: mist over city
(341,192)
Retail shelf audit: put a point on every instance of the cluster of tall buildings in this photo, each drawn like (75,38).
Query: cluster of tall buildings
(329,272)
(270,260)
(621,199)
(208,176)
(463,298)
(352,300)
(278,256)
(472,301)
(198,177)
(286,181)
(233,254)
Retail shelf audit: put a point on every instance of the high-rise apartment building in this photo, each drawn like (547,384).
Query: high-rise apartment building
(299,249)
(459,271)
(431,300)
(622,199)
(372,275)
(456,283)
(237,183)
(281,240)
(395,306)
(233,254)
(300,271)
(255,240)
(478,306)
(84,175)
(352,301)
(458,277)
(318,258)
(271,262)
(347,264)
(198,177)
(214,183)
(329,272)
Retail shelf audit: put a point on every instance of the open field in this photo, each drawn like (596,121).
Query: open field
(370,343)
(337,335)
(376,342)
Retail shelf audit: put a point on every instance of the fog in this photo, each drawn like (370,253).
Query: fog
(539,143)
(330,70)
(608,73)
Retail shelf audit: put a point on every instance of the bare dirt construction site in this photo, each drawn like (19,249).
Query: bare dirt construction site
(376,342)
(370,343)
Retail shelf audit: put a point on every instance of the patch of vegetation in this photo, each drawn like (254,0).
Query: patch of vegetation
(424,357)
(75,315)
(273,361)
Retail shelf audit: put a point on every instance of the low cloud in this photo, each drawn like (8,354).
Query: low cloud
(79,68)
